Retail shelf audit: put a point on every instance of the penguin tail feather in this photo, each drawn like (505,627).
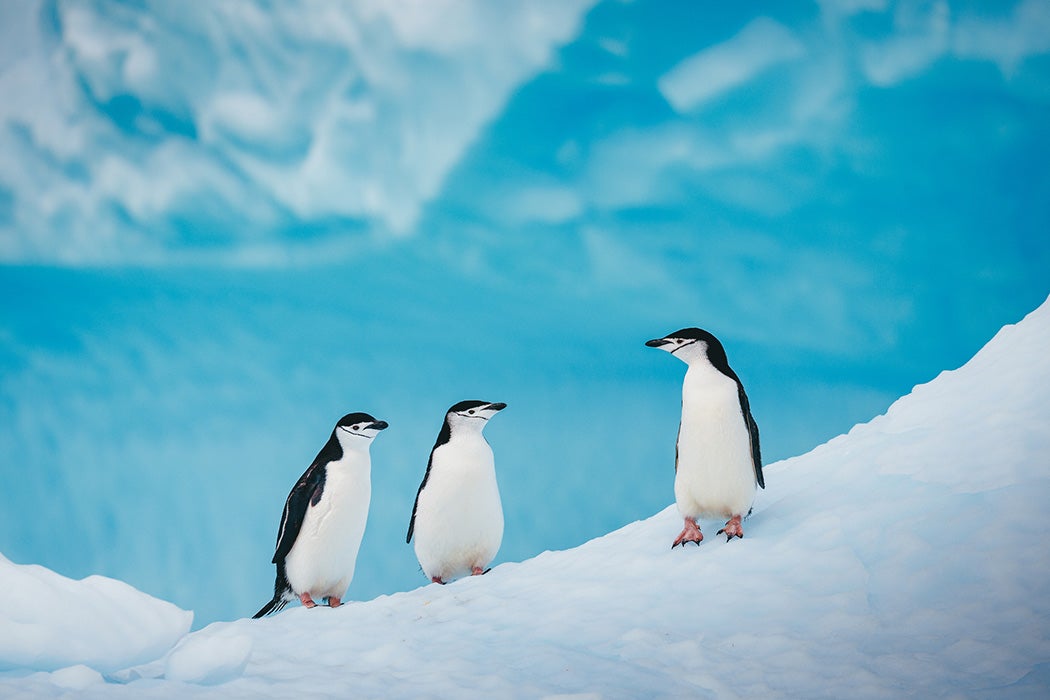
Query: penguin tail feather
(282,593)
(275,605)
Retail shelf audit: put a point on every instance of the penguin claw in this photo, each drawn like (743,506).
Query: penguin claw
(690,533)
(732,529)
(730,535)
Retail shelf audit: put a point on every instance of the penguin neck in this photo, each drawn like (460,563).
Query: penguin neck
(343,447)
(705,358)
(466,452)
(461,429)
(699,367)
(467,433)
(467,448)
(700,377)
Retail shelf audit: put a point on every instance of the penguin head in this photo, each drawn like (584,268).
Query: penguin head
(690,345)
(357,430)
(472,415)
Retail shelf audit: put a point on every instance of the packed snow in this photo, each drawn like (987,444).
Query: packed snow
(906,558)
(49,622)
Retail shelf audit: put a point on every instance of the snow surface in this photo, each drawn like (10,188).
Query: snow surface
(49,622)
(906,558)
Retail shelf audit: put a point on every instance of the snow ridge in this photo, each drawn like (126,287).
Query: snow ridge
(905,558)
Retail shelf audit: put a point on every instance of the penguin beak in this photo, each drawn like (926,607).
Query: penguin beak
(496,406)
(379,425)
(657,342)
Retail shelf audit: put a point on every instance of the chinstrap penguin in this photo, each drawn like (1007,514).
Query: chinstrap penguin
(457,518)
(324,518)
(718,463)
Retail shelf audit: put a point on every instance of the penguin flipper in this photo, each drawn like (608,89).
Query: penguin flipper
(415,506)
(412,520)
(679,437)
(752,433)
(306,492)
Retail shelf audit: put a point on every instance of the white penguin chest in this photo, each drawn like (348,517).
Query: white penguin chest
(715,473)
(324,555)
(459,517)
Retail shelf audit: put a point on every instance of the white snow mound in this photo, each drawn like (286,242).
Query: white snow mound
(51,622)
(211,658)
(905,559)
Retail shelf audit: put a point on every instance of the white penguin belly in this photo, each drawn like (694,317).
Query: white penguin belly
(322,560)
(716,476)
(459,518)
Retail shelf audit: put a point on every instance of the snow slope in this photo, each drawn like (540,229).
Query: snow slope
(50,622)
(907,558)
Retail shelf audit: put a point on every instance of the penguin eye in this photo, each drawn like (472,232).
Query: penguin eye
(471,411)
(355,427)
(678,340)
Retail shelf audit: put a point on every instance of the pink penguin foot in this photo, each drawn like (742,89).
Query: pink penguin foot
(306,600)
(732,528)
(437,579)
(690,533)
(334,602)
(478,571)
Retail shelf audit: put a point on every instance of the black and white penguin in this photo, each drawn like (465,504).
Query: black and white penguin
(718,463)
(457,518)
(324,518)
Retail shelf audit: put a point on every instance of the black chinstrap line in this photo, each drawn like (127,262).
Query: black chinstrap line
(683,345)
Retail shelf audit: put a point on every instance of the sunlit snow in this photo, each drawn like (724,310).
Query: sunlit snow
(906,558)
